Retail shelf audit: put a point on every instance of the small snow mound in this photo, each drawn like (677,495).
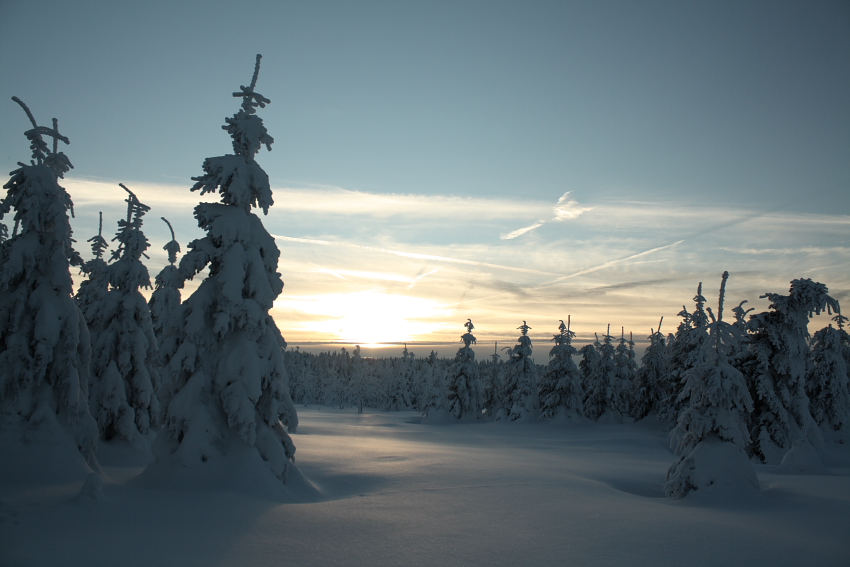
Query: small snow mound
(716,470)
(802,458)
(92,489)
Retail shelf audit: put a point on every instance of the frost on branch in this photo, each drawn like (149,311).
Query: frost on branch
(226,379)
(44,341)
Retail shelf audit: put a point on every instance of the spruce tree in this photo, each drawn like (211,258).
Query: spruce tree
(651,376)
(827,381)
(232,396)
(464,389)
(625,372)
(711,432)
(164,306)
(776,366)
(44,342)
(93,289)
(520,394)
(125,377)
(560,390)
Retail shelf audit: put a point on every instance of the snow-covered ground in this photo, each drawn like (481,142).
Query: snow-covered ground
(395,491)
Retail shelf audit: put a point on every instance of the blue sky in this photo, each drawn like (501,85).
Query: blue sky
(414,138)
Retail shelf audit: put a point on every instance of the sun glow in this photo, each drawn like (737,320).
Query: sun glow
(368,318)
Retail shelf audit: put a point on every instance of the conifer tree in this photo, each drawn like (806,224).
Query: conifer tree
(164,306)
(232,396)
(711,432)
(93,289)
(651,376)
(44,342)
(560,390)
(359,387)
(827,381)
(776,366)
(625,372)
(520,393)
(464,389)
(602,389)
(689,338)
(492,382)
(125,378)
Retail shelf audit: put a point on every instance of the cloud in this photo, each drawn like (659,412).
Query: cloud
(565,209)
(413,255)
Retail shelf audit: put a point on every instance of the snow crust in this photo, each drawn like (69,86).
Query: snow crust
(391,490)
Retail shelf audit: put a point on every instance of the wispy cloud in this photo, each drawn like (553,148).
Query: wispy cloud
(565,209)
(414,255)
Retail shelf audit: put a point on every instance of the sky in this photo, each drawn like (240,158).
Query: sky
(442,161)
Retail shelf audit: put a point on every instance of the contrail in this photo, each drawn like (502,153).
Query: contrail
(411,254)
(607,264)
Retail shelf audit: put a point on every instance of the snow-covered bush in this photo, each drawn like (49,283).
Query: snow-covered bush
(44,342)
(560,390)
(232,399)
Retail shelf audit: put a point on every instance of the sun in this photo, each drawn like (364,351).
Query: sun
(369,318)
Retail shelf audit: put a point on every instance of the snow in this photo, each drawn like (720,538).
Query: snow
(392,490)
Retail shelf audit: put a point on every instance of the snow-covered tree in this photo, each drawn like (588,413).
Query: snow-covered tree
(827,381)
(463,383)
(44,342)
(560,392)
(164,306)
(359,382)
(492,382)
(689,338)
(165,298)
(232,399)
(437,399)
(520,392)
(93,289)
(651,376)
(124,374)
(776,366)
(601,388)
(625,372)
(711,433)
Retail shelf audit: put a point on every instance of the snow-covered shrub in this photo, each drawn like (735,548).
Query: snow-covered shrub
(44,342)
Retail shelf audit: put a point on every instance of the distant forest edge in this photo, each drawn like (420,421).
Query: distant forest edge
(211,373)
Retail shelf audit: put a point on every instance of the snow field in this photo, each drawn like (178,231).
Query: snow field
(395,491)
